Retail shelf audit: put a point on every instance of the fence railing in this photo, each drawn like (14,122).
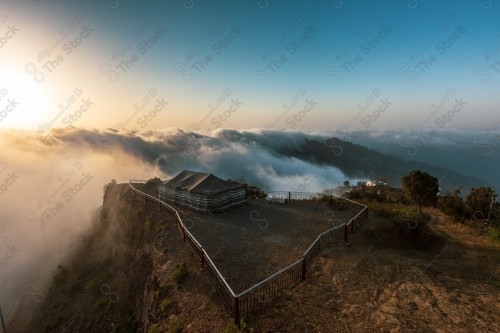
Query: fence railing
(292,195)
(264,291)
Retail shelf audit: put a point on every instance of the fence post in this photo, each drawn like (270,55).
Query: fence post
(345,232)
(304,268)
(237,311)
(366,212)
(289,196)
(202,257)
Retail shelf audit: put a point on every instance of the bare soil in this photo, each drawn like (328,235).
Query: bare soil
(249,243)
(386,282)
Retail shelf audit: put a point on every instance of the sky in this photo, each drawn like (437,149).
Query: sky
(249,64)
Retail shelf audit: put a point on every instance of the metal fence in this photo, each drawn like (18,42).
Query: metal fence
(263,292)
(292,195)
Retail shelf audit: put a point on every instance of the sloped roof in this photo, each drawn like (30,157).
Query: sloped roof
(200,182)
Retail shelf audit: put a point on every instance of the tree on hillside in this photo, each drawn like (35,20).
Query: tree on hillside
(421,188)
(480,202)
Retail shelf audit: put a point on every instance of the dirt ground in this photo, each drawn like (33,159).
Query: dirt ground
(384,282)
(251,242)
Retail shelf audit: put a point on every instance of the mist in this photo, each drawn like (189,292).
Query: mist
(53,186)
(49,193)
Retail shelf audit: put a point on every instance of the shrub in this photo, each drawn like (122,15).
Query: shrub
(164,305)
(494,234)
(53,322)
(453,206)
(180,273)
(154,329)
(148,222)
(232,328)
(175,328)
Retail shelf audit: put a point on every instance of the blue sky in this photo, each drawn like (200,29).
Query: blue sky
(263,52)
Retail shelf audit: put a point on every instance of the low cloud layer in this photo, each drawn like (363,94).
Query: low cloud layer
(52,183)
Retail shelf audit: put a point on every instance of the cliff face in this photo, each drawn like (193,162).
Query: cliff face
(120,276)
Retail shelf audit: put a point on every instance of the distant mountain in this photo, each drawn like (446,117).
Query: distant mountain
(357,161)
(471,153)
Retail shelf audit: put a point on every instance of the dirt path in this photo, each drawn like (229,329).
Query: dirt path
(443,226)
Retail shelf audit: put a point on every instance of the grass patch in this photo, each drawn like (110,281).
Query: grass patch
(494,234)
(175,328)
(155,329)
(164,305)
(148,223)
(53,322)
(101,305)
(396,212)
(232,328)
(180,273)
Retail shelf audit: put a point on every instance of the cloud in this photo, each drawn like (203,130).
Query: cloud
(59,178)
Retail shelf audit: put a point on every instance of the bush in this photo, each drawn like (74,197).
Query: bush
(175,328)
(148,223)
(53,322)
(232,328)
(164,305)
(494,234)
(479,201)
(453,206)
(155,329)
(180,273)
(396,212)
(323,198)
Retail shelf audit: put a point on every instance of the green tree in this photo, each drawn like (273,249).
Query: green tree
(421,188)
(480,202)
